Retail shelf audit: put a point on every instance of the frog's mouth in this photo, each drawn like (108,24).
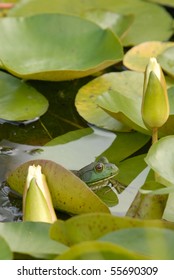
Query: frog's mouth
(98,184)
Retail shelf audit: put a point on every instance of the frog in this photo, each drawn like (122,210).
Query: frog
(98,174)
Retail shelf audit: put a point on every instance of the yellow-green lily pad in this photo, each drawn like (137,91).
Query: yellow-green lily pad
(68,192)
(103,91)
(169,3)
(92,226)
(87,107)
(98,250)
(56,47)
(5,252)
(145,27)
(18,100)
(138,57)
(120,95)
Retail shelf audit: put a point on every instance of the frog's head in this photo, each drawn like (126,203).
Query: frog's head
(97,172)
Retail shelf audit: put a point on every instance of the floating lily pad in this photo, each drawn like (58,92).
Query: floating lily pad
(67,47)
(161,158)
(167,61)
(146,15)
(5,252)
(30,238)
(68,192)
(87,107)
(120,96)
(169,3)
(18,100)
(98,250)
(154,243)
(118,23)
(138,57)
(94,225)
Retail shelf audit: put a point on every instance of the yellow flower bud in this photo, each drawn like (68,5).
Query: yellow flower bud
(37,202)
(155,104)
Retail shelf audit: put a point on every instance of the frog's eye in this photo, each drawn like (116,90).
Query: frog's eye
(99,167)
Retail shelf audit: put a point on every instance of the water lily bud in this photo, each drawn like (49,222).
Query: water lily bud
(155,104)
(37,202)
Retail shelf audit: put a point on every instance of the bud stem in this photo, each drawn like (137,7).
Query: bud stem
(154,135)
(154,140)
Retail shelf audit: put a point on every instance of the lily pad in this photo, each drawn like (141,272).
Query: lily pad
(98,250)
(68,192)
(30,238)
(87,98)
(138,57)
(92,226)
(146,15)
(166,60)
(125,145)
(118,23)
(18,100)
(161,158)
(123,98)
(69,50)
(5,252)
(153,243)
(120,95)
(169,3)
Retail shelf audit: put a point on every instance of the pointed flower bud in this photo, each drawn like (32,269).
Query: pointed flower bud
(155,104)
(37,202)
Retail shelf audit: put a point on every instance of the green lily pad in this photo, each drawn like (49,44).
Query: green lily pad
(169,3)
(166,60)
(18,100)
(5,252)
(69,50)
(138,57)
(98,250)
(130,168)
(92,226)
(161,158)
(154,243)
(123,98)
(87,98)
(125,145)
(119,95)
(68,192)
(118,23)
(107,195)
(146,15)
(86,106)
(30,238)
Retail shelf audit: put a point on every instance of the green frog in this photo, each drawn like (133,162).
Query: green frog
(98,174)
